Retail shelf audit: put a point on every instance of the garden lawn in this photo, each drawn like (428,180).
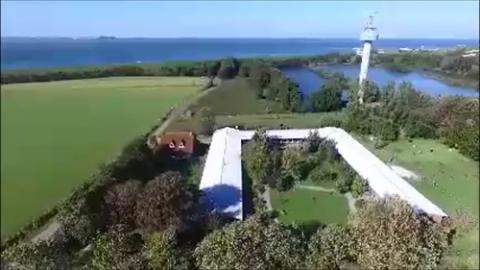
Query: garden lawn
(450,180)
(304,206)
(55,134)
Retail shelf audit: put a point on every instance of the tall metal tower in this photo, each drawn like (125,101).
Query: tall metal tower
(368,35)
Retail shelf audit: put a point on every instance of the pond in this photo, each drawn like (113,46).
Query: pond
(309,81)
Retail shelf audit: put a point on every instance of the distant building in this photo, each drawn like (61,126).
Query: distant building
(179,144)
(405,50)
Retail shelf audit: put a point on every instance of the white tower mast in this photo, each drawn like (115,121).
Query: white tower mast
(368,35)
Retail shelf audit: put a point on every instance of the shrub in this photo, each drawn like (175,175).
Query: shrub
(37,255)
(386,130)
(359,186)
(161,251)
(327,99)
(419,127)
(256,243)
(330,248)
(116,250)
(313,142)
(459,124)
(388,234)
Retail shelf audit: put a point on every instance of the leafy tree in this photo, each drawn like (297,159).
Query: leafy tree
(119,203)
(330,248)
(313,141)
(78,222)
(212,69)
(292,159)
(37,255)
(386,130)
(260,73)
(161,251)
(163,203)
(258,161)
(116,250)
(256,243)
(388,234)
(359,186)
(418,125)
(459,124)
(327,99)
(359,118)
(228,68)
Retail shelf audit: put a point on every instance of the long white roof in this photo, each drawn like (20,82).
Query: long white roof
(223,168)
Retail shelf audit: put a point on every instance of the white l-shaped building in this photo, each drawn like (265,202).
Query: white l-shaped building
(222,175)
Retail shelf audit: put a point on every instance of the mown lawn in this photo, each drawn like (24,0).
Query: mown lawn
(448,179)
(55,134)
(304,206)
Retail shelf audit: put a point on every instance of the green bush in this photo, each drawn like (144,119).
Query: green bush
(386,130)
(419,127)
(330,248)
(358,187)
(327,99)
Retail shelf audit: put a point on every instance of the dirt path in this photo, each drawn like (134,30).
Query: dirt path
(317,188)
(181,108)
(351,202)
(48,232)
(266,197)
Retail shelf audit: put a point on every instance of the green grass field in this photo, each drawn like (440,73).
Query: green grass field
(235,96)
(304,206)
(55,134)
(448,179)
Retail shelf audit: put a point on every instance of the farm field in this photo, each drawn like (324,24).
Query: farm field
(304,206)
(55,134)
(448,179)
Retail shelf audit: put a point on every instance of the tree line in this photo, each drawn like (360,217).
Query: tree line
(224,68)
(395,111)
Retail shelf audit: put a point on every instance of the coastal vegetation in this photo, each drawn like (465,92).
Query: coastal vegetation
(55,134)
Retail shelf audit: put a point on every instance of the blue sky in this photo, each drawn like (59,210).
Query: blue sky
(408,19)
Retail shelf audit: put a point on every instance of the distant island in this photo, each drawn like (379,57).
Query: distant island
(106,37)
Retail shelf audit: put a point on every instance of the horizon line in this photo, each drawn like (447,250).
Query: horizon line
(152,37)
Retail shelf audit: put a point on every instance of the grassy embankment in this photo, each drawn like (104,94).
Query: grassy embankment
(448,179)
(55,134)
